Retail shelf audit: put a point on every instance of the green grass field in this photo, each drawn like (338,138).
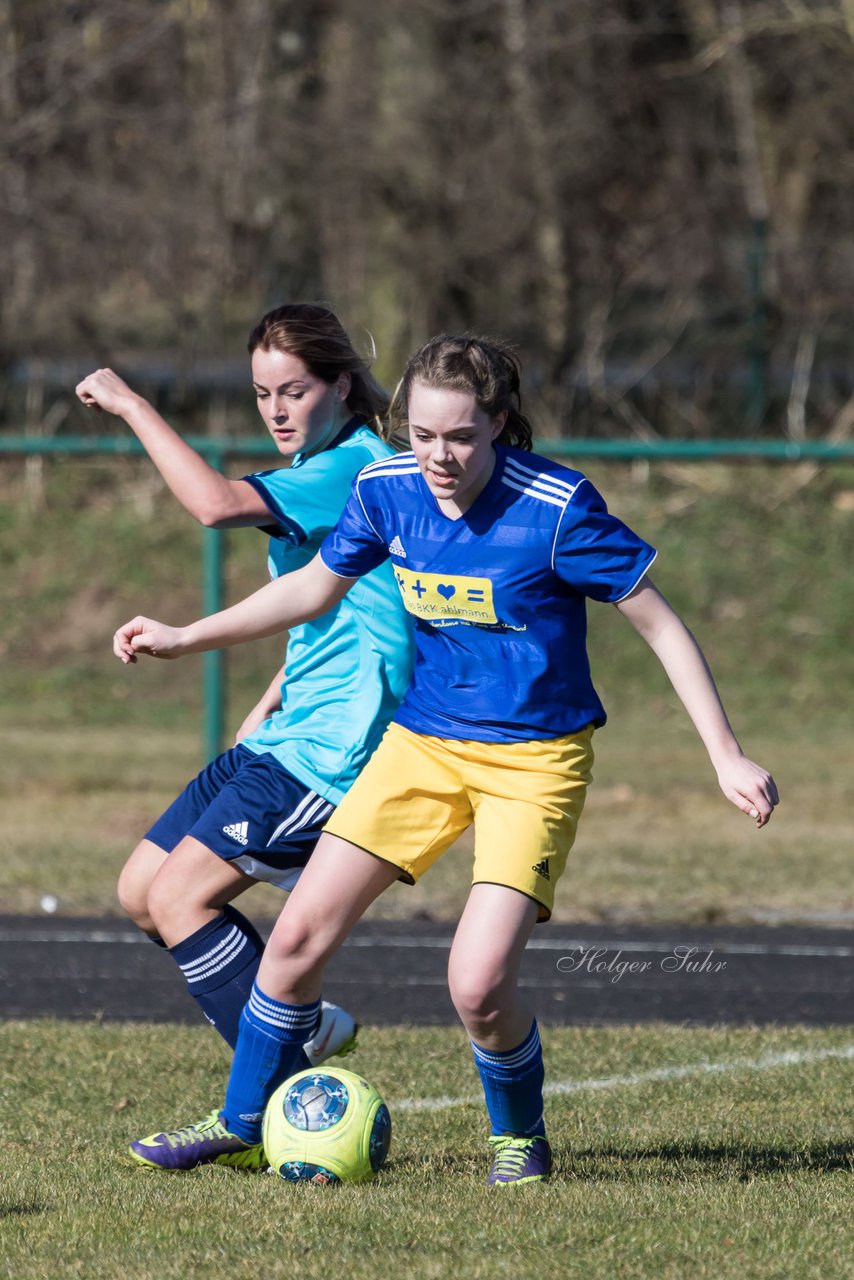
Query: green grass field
(757,560)
(740,1166)
(681,1154)
(657,841)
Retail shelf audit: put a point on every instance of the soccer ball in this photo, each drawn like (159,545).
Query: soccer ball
(326,1126)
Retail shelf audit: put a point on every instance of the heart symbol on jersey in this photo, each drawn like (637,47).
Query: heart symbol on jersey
(446,591)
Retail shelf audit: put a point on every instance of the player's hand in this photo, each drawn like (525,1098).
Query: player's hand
(104,389)
(749,787)
(146,636)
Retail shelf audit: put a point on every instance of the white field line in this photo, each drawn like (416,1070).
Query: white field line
(564,945)
(791,1058)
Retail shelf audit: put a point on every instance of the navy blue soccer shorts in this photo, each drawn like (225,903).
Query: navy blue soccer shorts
(249,811)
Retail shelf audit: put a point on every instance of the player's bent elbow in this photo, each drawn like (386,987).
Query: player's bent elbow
(214,517)
(208,521)
(224,504)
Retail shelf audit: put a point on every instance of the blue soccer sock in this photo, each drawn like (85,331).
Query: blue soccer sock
(269,1049)
(220,961)
(513,1086)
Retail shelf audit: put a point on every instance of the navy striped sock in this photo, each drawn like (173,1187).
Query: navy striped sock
(268,1051)
(513,1085)
(220,961)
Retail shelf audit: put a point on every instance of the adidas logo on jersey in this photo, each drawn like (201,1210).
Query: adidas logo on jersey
(542,869)
(395,547)
(238,831)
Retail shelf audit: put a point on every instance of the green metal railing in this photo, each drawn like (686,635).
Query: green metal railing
(219,451)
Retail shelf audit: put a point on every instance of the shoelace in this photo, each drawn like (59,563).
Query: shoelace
(510,1153)
(207,1129)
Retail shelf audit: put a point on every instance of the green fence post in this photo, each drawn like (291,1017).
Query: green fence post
(213,599)
(757,397)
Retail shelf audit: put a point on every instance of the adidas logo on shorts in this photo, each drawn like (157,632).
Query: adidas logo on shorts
(542,869)
(395,547)
(238,831)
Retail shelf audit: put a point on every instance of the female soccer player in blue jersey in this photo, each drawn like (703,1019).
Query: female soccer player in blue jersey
(495,551)
(255,813)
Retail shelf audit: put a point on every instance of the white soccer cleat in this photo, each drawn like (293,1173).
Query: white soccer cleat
(335,1035)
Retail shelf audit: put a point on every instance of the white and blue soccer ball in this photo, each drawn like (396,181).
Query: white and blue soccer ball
(326,1126)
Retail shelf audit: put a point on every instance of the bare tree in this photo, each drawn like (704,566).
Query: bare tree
(615,185)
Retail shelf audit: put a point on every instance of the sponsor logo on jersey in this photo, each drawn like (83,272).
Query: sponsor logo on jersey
(238,831)
(395,548)
(438,597)
(542,869)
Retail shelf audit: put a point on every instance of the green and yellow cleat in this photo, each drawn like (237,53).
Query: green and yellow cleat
(519,1160)
(207,1142)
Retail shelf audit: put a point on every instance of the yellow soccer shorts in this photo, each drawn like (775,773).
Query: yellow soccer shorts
(417,794)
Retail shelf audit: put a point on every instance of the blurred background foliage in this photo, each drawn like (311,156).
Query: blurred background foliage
(651,198)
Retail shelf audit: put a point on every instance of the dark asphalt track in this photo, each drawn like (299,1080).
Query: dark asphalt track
(394,973)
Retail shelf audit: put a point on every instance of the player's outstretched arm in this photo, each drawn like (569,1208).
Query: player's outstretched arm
(746,784)
(294,598)
(208,495)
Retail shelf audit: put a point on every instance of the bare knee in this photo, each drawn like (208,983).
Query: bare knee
(479,998)
(134,884)
(135,904)
(294,943)
(178,905)
(191,888)
(296,948)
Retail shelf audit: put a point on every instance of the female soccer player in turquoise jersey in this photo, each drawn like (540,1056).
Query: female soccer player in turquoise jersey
(255,813)
(495,552)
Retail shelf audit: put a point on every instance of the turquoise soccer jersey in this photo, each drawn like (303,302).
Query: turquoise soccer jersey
(498,596)
(345,672)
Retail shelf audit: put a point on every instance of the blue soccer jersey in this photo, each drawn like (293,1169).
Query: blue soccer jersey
(345,672)
(498,596)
